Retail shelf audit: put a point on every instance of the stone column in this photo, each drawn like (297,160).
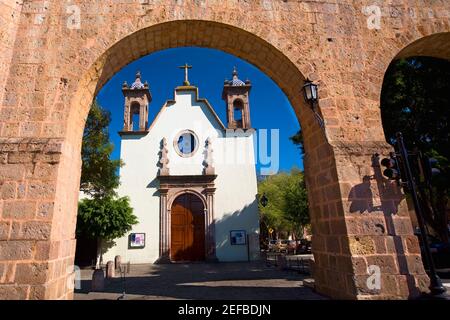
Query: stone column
(164,230)
(363,242)
(210,224)
(37,225)
(142,117)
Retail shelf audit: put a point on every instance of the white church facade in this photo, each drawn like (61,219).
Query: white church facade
(191,179)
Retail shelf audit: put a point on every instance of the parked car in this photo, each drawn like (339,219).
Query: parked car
(304,247)
(440,251)
(282,245)
(293,246)
(272,245)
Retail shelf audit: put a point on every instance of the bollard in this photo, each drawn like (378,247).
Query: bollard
(117,262)
(98,280)
(281,262)
(110,270)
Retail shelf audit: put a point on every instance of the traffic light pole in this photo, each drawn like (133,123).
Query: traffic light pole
(436,286)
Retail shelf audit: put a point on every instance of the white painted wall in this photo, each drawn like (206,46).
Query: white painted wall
(236,187)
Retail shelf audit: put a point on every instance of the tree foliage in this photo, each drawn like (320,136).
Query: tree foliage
(297,139)
(416,101)
(287,207)
(99,173)
(105,218)
(102,216)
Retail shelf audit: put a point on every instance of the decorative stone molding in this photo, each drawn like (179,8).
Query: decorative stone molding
(177,149)
(208,163)
(173,186)
(164,160)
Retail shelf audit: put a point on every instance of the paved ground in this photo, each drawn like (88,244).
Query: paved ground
(215,281)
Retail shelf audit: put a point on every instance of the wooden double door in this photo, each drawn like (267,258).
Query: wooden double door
(187,229)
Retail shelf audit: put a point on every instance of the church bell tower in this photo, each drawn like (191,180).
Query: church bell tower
(137,101)
(236,95)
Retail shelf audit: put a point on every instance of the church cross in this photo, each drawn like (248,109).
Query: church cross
(186,67)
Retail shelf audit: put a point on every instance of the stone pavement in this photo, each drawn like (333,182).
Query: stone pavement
(214,281)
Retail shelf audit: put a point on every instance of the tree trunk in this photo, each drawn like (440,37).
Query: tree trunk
(99,254)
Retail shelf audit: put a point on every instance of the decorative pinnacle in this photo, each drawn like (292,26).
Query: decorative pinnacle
(235,73)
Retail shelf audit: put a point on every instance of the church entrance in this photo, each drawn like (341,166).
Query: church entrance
(187,229)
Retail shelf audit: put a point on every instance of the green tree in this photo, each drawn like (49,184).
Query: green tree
(416,101)
(287,207)
(102,216)
(104,219)
(297,139)
(99,172)
(296,202)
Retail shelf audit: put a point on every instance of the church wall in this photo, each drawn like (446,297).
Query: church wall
(235,204)
(235,207)
(136,176)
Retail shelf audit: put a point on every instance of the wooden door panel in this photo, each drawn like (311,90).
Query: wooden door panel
(187,229)
(178,219)
(178,235)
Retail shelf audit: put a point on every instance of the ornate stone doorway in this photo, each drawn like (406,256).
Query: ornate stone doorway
(182,194)
(187,231)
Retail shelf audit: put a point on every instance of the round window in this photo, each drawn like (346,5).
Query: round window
(186,143)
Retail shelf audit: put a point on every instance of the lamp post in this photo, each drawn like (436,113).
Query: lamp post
(436,286)
(311,95)
(263,200)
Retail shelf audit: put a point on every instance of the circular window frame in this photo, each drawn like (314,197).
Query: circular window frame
(178,151)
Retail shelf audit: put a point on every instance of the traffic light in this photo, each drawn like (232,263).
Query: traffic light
(392,171)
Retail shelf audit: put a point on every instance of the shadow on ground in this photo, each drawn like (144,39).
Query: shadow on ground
(216,281)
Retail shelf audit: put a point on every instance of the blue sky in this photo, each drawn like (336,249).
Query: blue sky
(269,107)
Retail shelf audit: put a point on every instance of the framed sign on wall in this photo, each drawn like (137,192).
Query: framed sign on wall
(238,237)
(136,241)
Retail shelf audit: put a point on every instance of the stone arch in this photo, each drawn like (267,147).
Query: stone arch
(59,70)
(238,109)
(249,46)
(432,43)
(435,45)
(178,193)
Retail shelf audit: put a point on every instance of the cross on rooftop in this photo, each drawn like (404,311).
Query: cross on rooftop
(186,67)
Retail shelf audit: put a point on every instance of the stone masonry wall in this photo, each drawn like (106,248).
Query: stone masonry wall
(57,55)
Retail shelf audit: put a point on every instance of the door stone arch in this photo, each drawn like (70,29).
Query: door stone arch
(52,68)
(172,187)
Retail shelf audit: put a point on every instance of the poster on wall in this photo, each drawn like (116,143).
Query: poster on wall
(238,237)
(137,240)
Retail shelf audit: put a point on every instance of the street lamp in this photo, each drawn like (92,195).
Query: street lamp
(311,95)
(310,92)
